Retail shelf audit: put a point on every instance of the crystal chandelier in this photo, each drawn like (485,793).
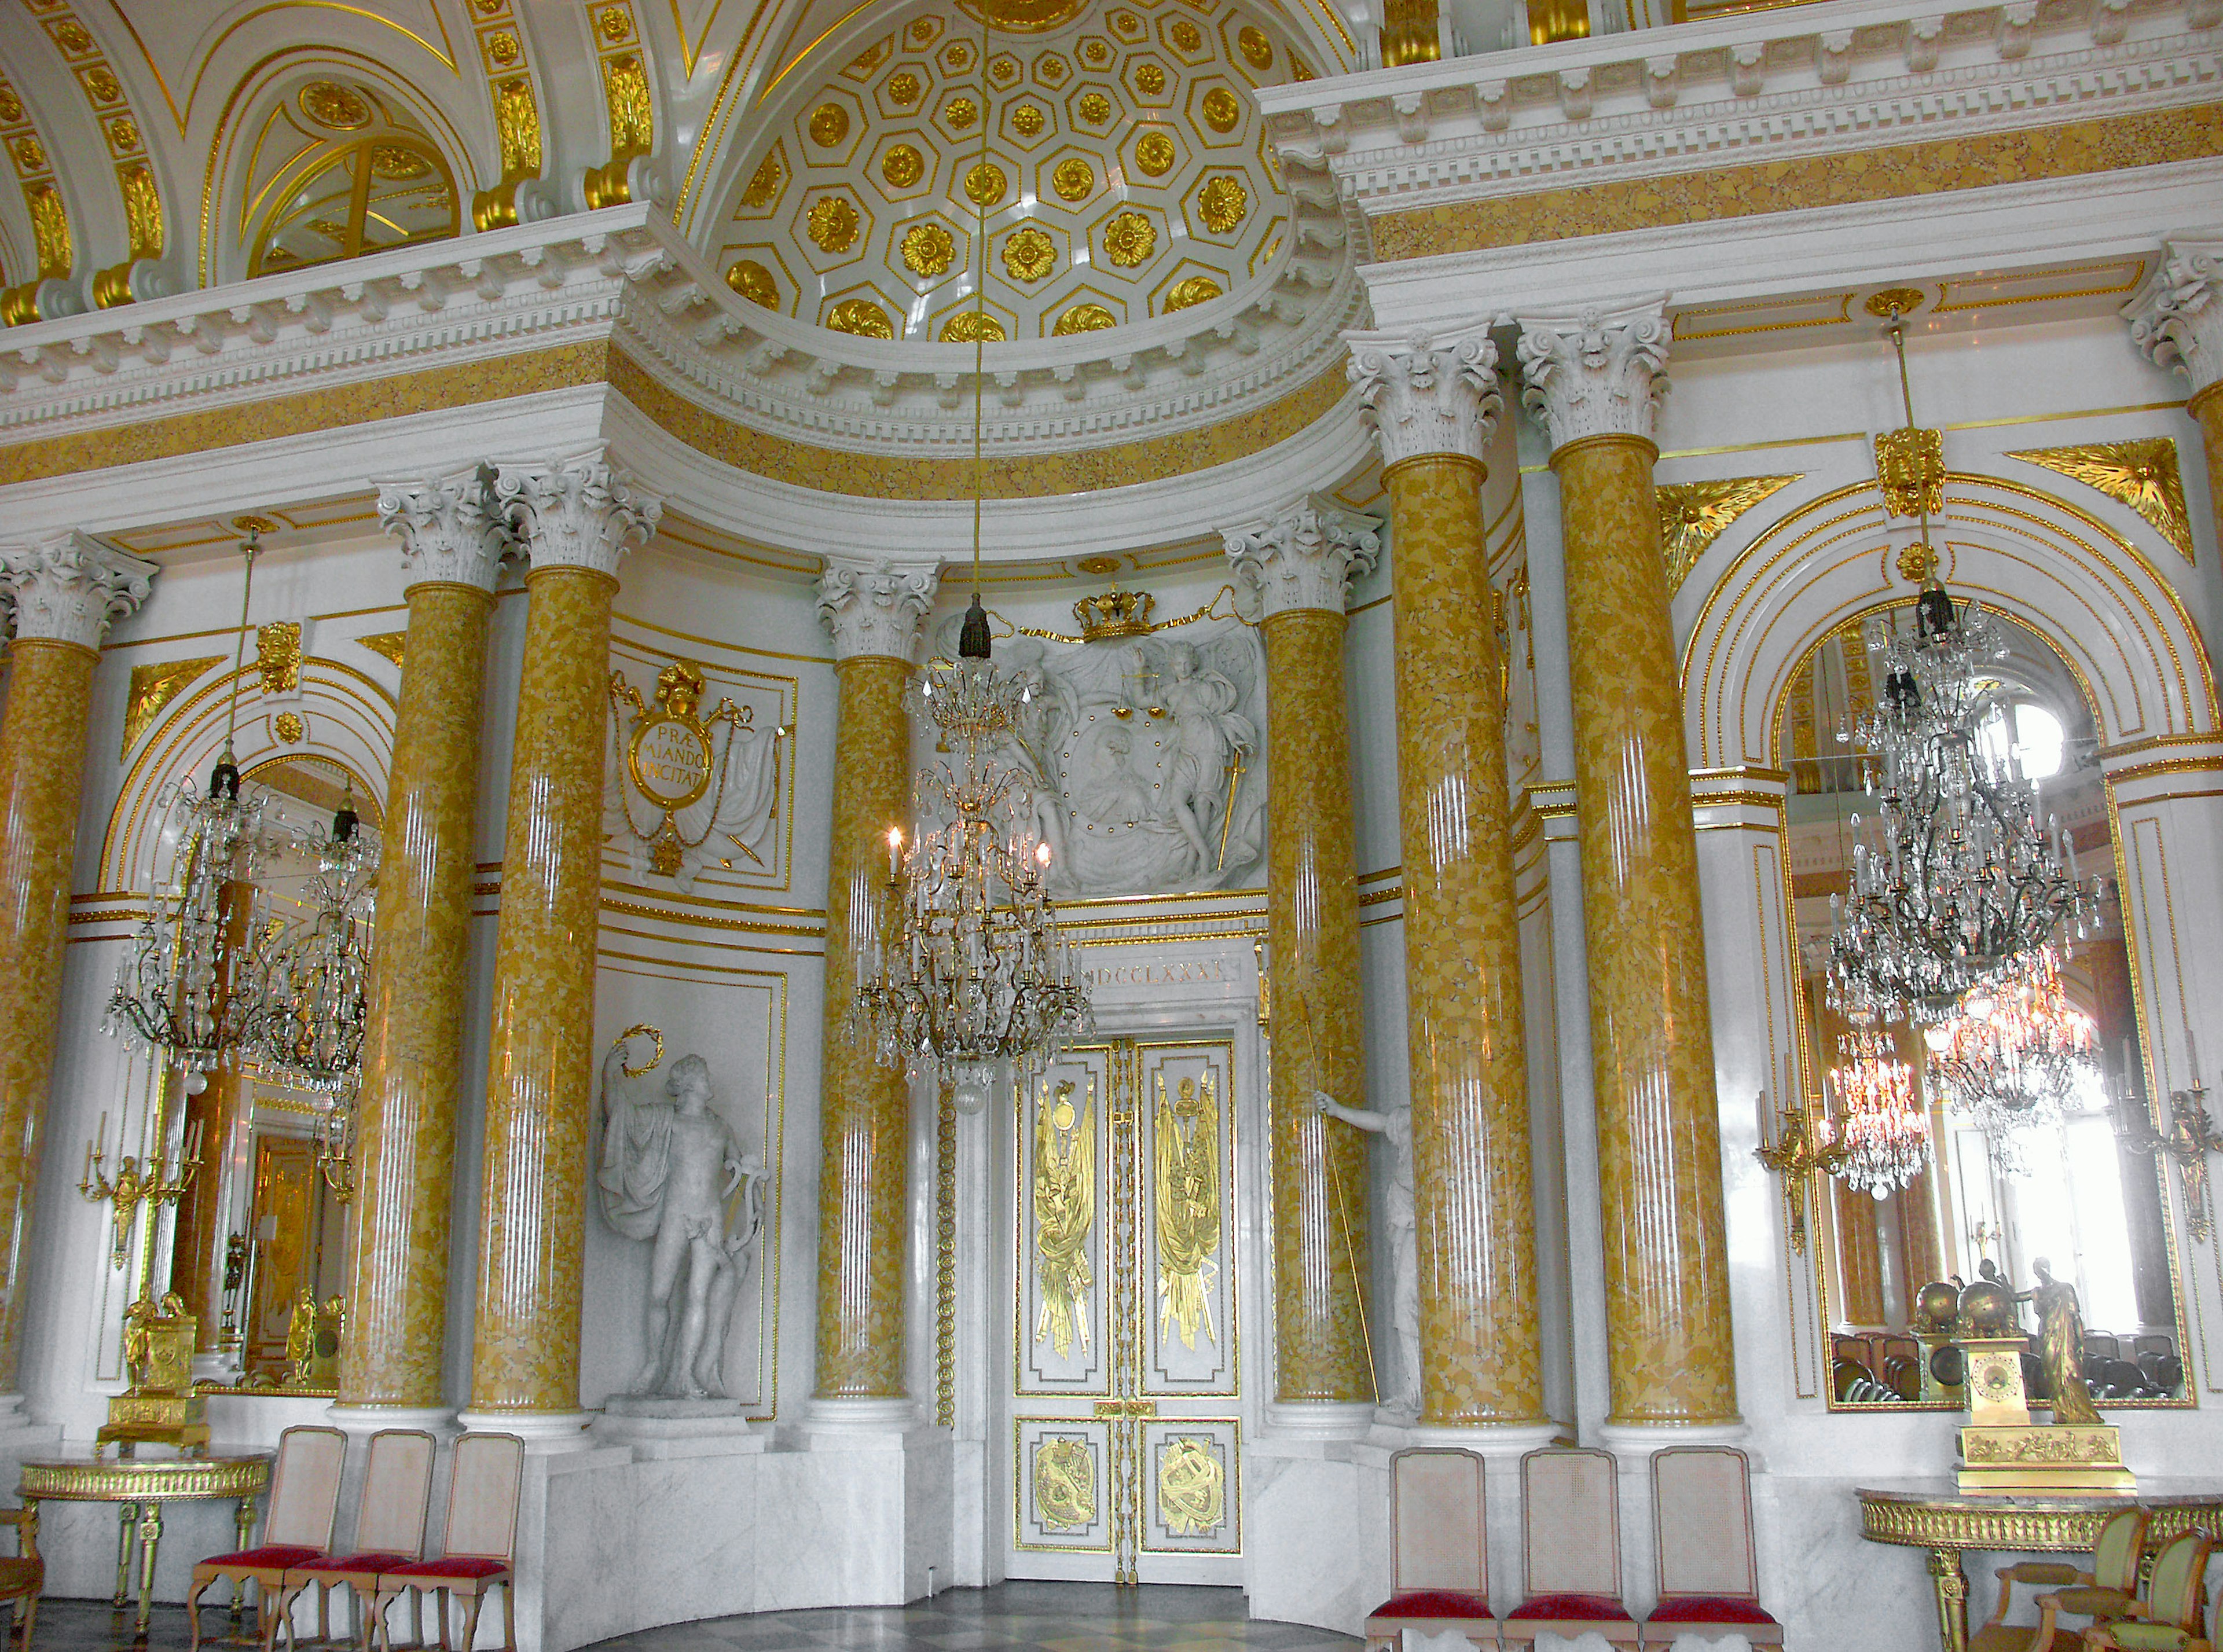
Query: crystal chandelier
(297,1003)
(169,994)
(960,965)
(1882,1136)
(1960,880)
(2011,1063)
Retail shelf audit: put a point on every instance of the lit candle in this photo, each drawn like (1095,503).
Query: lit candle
(895,850)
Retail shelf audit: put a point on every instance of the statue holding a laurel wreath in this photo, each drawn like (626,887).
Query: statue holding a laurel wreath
(673,1172)
(1402,1230)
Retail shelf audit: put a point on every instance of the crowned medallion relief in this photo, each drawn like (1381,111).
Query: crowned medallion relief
(1143,745)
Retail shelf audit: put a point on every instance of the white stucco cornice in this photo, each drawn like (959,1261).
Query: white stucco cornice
(1818,79)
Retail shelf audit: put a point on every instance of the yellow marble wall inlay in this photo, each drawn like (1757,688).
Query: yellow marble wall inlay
(1660,1155)
(392,1355)
(539,1082)
(1320,1179)
(864,1129)
(42,735)
(1480,1360)
(2074,148)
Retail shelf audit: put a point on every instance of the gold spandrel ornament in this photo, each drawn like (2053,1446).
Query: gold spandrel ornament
(2142,474)
(1186,1143)
(1129,239)
(151,688)
(929,250)
(387,645)
(1223,204)
(278,656)
(1029,254)
(833,224)
(1911,468)
(1192,1487)
(1065,1483)
(1064,1210)
(901,166)
(1692,515)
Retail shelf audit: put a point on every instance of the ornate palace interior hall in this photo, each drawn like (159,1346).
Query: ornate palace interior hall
(1110,822)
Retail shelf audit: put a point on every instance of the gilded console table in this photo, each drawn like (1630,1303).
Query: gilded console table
(142,1485)
(1949,1523)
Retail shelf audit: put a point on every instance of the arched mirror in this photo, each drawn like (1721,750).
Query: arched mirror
(1948,1182)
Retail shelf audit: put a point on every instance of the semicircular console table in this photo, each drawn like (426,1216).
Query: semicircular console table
(140,1485)
(1949,1523)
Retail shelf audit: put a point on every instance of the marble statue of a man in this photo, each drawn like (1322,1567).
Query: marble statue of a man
(668,1172)
(1401,1231)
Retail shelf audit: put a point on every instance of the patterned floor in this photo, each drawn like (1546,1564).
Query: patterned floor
(1010,1617)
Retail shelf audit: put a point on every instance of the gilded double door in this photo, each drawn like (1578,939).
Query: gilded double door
(1126,1437)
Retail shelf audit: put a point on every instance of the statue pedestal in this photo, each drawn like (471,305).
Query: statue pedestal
(665,1428)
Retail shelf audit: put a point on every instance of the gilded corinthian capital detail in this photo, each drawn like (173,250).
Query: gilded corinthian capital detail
(1305,556)
(579,513)
(2177,317)
(67,588)
(1427,395)
(874,606)
(1600,372)
(451,528)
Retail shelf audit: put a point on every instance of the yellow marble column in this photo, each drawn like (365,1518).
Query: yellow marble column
(873,610)
(452,540)
(62,594)
(576,522)
(2177,320)
(1301,562)
(1433,406)
(1594,381)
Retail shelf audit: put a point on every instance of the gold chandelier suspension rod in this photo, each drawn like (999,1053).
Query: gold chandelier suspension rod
(979,194)
(252,545)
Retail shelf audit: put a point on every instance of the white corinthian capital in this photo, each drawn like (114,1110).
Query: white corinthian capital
(1305,556)
(578,512)
(2177,317)
(1427,395)
(453,530)
(1601,373)
(67,588)
(874,605)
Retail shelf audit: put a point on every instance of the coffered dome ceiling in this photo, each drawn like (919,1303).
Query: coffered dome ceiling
(1127,174)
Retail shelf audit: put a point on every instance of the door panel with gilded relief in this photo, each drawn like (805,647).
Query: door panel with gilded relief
(1125,1427)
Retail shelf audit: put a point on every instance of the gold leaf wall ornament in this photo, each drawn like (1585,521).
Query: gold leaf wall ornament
(830,124)
(1197,289)
(984,184)
(765,183)
(2141,474)
(151,688)
(1129,239)
(1911,468)
(1184,36)
(1154,154)
(1065,1483)
(959,113)
(50,230)
(278,656)
(1192,1487)
(1050,69)
(1094,107)
(1257,51)
(632,121)
(387,645)
(1692,515)
(1029,254)
(929,250)
(1065,1209)
(967,326)
(904,89)
(833,224)
(902,166)
(1220,109)
(754,282)
(1186,1144)
(625,97)
(1223,204)
(1083,318)
(517,123)
(1150,79)
(1073,179)
(861,318)
(1028,119)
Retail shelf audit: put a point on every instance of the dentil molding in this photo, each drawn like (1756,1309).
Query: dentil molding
(580,513)
(874,605)
(1305,556)
(2177,317)
(1764,86)
(1428,394)
(1601,373)
(449,534)
(67,588)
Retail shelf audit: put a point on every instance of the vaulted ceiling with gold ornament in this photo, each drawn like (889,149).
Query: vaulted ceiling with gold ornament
(1114,150)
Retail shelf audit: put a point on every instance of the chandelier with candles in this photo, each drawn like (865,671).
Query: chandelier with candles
(1881,1136)
(961,966)
(2012,1060)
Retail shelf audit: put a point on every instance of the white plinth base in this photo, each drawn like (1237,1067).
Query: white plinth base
(1641,1440)
(832,1420)
(439,1420)
(660,1430)
(1321,1419)
(1490,1439)
(543,1432)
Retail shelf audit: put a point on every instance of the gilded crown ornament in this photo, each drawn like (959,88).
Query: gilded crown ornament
(1113,614)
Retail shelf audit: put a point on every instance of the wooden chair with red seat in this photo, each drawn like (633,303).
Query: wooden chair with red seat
(397,1500)
(1438,1551)
(2172,1615)
(23,1575)
(304,1500)
(1569,1550)
(2103,1593)
(486,1475)
(1701,1536)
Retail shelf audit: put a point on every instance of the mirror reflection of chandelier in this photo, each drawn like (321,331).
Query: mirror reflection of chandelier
(2012,1062)
(961,966)
(1880,1130)
(169,994)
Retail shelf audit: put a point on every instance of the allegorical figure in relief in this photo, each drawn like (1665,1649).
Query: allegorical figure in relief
(1210,731)
(1403,1232)
(2061,1344)
(673,1173)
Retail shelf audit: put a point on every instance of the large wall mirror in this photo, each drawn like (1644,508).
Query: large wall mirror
(2072,1183)
(262,1252)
